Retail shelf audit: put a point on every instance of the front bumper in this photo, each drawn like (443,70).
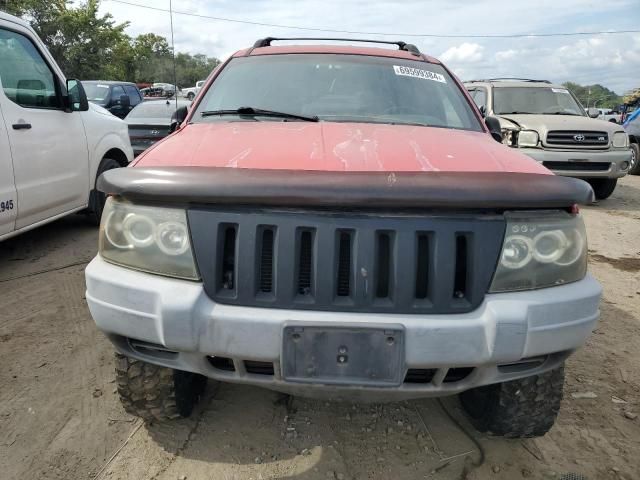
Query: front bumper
(616,159)
(175,324)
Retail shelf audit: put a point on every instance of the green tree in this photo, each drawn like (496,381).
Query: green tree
(594,95)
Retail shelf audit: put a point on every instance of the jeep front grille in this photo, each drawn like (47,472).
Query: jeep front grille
(346,262)
(577,139)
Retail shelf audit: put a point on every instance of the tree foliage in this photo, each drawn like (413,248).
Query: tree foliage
(91,46)
(594,95)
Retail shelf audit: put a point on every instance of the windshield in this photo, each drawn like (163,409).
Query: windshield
(347,88)
(535,100)
(96,92)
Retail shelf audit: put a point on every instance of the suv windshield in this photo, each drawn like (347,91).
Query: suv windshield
(339,88)
(535,100)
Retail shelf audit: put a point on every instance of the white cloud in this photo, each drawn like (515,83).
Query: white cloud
(504,55)
(464,53)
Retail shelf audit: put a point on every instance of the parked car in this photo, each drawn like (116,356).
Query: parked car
(117,97)
(609,115)
(151,121)
(167,89)
(632,127)
(347,228)
(53,142)
(191,92)
(547,122)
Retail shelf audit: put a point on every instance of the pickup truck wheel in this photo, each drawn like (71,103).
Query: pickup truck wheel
(603,187)
(156,393)
(522,408)
(98,198)
(634,165)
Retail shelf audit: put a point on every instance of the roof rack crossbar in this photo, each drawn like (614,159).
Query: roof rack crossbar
(408,47)
(507,79)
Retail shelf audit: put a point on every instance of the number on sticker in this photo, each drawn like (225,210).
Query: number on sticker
(6,206)
(419,73)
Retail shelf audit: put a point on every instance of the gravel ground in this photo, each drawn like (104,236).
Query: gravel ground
(60,417)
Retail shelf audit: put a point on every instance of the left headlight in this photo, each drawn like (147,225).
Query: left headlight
(541,250)
(151,239)
(620,140)
(528,138)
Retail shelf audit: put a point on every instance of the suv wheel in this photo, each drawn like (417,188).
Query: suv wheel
(98,198)
(517,409)
(603,187)
(156,393)
(634,165)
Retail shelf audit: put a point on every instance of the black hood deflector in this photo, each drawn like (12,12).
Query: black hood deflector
(303,188)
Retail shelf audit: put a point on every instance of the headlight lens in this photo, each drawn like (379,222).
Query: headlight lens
(620,140)
(528,138)
(151,239)
(541,250)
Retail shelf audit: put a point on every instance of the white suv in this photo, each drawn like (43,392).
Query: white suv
(53,143)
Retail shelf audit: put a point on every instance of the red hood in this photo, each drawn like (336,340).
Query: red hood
(331,146)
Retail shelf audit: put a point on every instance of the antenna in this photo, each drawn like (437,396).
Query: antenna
(173,55)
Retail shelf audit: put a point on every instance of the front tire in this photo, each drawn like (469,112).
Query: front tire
(634,165)
(603,187)
(156,393)
(522,408)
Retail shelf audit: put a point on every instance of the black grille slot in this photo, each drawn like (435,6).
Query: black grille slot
(422,267)
(457,374)
(343,288)
(227,255)
(384,264)
(578,138)
(258,368)
(222,363)
(305,263)
(460,282)
(578,166)
(266,261)
(420,375)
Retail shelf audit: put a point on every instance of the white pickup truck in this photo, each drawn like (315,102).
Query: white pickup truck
(191,92)
(53,143)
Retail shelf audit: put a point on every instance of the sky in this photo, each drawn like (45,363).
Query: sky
(612,60)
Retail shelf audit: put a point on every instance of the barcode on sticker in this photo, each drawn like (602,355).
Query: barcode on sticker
(419,73)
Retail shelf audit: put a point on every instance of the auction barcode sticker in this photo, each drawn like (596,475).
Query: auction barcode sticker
(419,73)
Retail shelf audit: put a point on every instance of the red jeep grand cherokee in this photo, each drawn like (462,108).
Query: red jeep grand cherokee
(338,222)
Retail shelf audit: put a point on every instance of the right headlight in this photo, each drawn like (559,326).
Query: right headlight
(528,138)
(620,140)
(151,239)
(541,249)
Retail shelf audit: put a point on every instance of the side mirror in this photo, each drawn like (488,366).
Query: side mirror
(76,98)
(493,124)
(177,118)
(125,101)
(593,112)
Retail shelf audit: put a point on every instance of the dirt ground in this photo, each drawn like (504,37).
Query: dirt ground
(60,417)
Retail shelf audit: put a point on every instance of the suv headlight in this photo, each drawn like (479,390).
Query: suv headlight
(620,140)
(152,239)
(528,138)
(541,249)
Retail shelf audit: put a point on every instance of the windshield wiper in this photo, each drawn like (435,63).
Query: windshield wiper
(563,113)
(515,113)
(260,112)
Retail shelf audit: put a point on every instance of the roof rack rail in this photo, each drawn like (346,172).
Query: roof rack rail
(508,79)
(407,47)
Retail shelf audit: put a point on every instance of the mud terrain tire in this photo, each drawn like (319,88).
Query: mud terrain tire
(603,187)
(522,408)
(156,393)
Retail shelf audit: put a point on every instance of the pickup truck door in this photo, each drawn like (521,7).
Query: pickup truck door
(8,200)
(48,145)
